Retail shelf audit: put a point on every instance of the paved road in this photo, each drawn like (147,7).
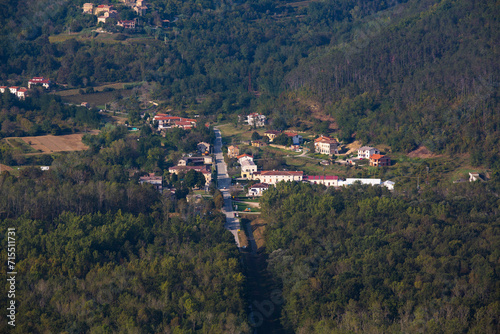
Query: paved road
(223,183)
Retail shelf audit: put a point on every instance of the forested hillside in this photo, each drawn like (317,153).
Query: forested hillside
(363,259)
(418,80)
(114,256)
(404,73)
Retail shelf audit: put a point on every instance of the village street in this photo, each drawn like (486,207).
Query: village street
(223,183)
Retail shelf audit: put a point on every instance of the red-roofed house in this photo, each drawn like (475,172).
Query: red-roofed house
(101,8)
(296,138)
(244,157)
(326,145)
(327,180)
(378,160)
(185,125)
(39,81)
(167,121)
(13,90)
(3,89)
(22,93)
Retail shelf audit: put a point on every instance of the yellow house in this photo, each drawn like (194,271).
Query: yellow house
(88,8)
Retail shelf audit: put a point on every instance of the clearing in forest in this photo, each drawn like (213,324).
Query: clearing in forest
(50,144)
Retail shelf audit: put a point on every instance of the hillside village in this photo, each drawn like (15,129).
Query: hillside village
(105,13)
(23,92)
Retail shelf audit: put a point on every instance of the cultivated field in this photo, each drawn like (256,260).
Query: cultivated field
(51,144)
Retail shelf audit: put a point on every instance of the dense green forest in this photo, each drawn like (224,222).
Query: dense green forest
(120,272)
(403,73)
(363,259)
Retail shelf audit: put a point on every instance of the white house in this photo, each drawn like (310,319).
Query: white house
(475,177)
(389,184)
(39,81)
(327,180)
(255,119)
(248,168)
(273,177)
(366,152)
(257,189)
(244,157)
(296,138)
(351,181)
(22,93)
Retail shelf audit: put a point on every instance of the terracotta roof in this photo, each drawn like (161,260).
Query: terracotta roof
(183,123)
(291,134)
(325,139)
(280,172)
(244,155)
(377,156)
(39,80)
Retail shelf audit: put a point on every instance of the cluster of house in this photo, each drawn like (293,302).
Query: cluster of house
(105,12)
(272,177)
(167,121)
(200,164)
(22,92)
(268,178)
(373,155)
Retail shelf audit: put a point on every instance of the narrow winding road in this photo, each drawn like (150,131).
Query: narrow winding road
(223,183)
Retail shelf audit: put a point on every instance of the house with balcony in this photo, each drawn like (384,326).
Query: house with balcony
(366,152)
(256,119)
(233,151)
(326,145)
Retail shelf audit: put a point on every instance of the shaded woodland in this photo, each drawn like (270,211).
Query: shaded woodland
(363,259)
